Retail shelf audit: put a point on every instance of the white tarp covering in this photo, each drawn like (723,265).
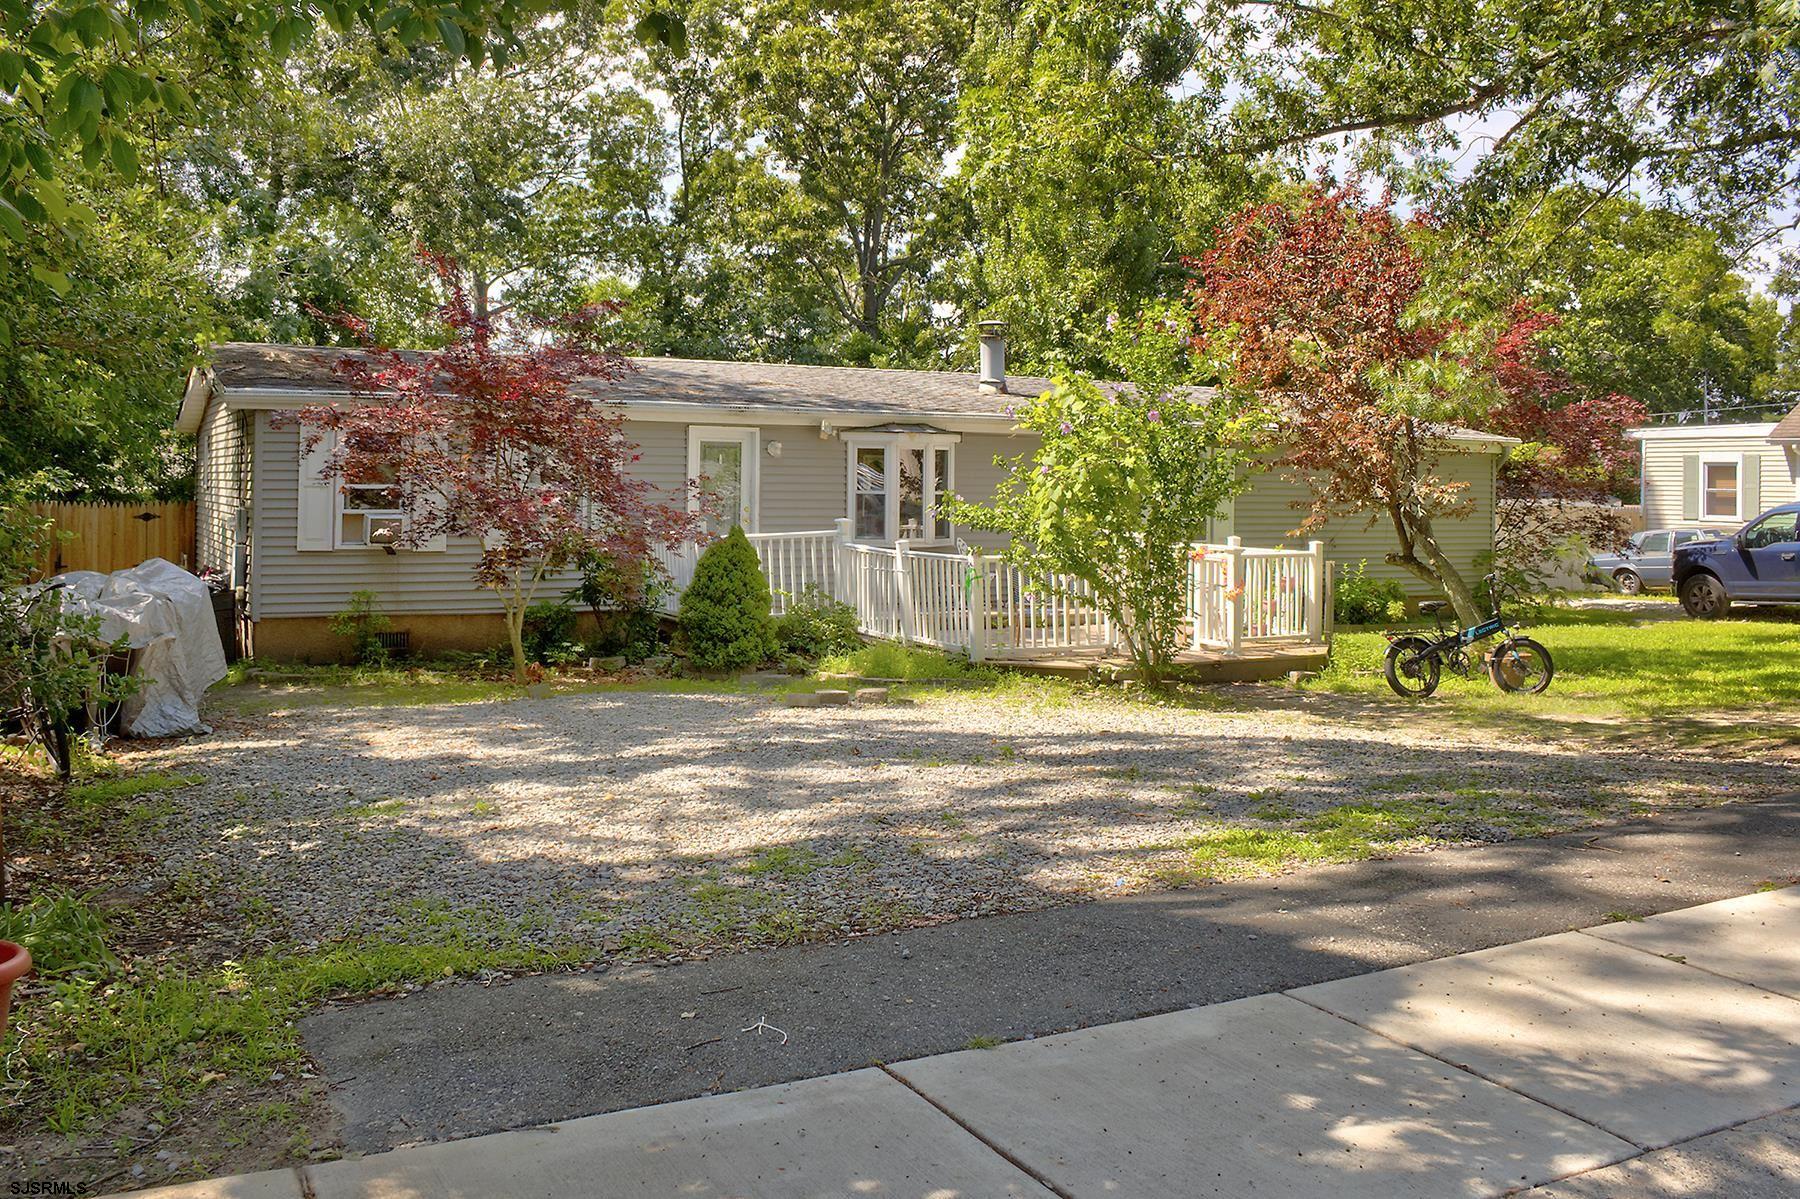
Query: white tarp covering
(166,614)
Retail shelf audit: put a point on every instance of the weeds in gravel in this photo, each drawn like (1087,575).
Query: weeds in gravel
(63,933)
(128,786)
(99,806)
(1351,832)
(983,1043)
(374,807)
(787,861)
(886,660)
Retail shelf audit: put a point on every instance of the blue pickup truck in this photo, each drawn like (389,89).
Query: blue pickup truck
(1759,564)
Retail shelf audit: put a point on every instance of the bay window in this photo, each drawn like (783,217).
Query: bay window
(898,484)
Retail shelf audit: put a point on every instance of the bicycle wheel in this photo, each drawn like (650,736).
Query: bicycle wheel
(1521,664)
(1411,671)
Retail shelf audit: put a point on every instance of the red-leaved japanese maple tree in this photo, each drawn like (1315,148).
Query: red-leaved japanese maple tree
(1312,307)
(1558,487)
(502,436)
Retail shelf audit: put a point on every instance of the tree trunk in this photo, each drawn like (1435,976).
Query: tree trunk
(1417,536)
(515,637)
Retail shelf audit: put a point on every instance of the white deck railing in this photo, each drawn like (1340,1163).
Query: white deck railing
(1240,595)
(1237,595)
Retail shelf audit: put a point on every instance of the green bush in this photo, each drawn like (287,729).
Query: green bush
(549,632)
(625,598)
(1361,598)
(815,625)
(886,660)
(362,622)
(724,621)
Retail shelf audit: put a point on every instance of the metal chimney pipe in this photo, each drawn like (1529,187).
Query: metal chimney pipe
(992,379)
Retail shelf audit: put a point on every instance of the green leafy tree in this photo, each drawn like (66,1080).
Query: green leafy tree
(85,85)
(1649,302)
(723,617)
(1124,480)
(1693,102)
(1080,184)
(850,105)
(91,365)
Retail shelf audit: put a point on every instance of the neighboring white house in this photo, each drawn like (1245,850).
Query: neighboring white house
(1718,473)
(792,448)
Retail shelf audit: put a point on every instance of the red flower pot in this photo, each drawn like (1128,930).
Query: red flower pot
(15,963)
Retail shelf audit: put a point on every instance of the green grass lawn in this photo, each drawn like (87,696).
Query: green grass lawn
(1620,673)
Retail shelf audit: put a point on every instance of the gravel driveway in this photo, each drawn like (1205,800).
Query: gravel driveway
(658,823)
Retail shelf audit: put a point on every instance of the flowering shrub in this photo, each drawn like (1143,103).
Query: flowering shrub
(1124,480)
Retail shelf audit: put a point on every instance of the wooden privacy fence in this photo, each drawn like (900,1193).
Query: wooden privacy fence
(108,537)
(1237,595)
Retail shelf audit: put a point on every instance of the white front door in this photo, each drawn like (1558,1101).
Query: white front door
(722,463)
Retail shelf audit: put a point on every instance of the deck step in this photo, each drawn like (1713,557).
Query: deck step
(1253,665)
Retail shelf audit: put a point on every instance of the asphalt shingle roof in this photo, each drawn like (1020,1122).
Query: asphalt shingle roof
(823,389)
(1788,427)
(776,386)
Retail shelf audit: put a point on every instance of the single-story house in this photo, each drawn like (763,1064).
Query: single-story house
(798,447)
(1714,474)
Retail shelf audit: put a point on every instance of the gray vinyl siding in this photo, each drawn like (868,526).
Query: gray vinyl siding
(1664,472)
(800,491)
(221,484)
(1265,515)
(289,582)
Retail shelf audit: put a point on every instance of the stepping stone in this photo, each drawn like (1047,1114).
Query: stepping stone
(852,1134)
(871,695)
(801,699)
(1754,938)
(833,698)
(1261,1096)
(1643,1047)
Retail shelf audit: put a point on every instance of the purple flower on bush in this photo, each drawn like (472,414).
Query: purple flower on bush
(1067,427)
(1155,417)
(1044,469)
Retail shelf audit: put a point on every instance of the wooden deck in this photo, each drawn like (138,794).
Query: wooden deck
(1252,664)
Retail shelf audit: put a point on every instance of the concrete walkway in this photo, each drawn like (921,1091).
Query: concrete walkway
(1653,1058)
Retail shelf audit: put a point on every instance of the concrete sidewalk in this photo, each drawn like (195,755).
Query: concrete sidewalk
(1640,1059)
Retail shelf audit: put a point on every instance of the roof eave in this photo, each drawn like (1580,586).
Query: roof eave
(193,401)
(1662,432)
(801,414)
